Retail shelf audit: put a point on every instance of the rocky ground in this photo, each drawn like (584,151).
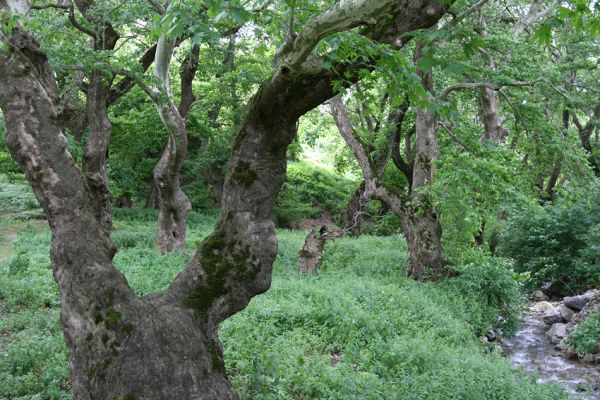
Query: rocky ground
(562,317)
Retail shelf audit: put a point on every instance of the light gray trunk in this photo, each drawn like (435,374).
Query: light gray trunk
(173,203)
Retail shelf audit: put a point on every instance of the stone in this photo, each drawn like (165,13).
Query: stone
(562,346)
(557,333)
(576,303)
(543,306)
(565,312)
(491,336)
(538,295)
(551,317)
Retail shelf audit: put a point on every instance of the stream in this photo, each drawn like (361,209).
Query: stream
(531,350)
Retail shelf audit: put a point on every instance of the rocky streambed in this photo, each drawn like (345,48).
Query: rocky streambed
(540,345)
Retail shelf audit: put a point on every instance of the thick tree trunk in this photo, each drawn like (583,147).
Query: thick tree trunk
(95,149)
(120,345)
(423,229)
(165,345)
(174,204)
(494,130)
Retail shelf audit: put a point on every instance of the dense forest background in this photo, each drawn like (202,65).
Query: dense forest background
(455,172)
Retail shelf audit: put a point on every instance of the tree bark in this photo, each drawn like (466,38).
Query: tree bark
(173,203)
(494,130)
(104,38)
(95,149)
(420,224)
(355,211)
(164,345)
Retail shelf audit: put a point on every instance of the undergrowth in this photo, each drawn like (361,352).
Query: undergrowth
(357,330)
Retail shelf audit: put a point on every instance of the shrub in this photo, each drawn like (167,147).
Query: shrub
(586,337)
(492,285)
(309,192)
(557,244)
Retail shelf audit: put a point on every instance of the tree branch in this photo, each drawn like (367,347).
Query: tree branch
(475,85)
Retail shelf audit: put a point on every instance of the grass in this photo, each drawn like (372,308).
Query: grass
(357,330)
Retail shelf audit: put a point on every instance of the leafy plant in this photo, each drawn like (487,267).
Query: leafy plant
(557,244)
(309,192)
(586,338)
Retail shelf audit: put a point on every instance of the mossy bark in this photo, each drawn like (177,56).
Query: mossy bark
(165,345)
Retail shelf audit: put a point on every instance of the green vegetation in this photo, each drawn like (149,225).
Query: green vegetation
(586,338)
(558,244)
(358,330)
(309,192)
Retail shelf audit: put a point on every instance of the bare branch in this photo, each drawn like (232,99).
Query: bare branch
(475,85)
(77,25)
(534,14)
(46,6)
(113,69)
(452,23)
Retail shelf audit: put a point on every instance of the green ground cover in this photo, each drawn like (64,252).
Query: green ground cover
(357,330)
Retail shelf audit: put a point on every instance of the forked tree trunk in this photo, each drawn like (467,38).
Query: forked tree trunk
(165,345)
(420,222)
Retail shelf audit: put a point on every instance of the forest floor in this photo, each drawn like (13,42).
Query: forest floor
(356,330)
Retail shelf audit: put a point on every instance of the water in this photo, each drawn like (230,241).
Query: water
(531,349)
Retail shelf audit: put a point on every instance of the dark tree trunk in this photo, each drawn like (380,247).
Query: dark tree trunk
(355,211)
(95,149)
(310,255)
(165,345)
(422,225)
(213,176)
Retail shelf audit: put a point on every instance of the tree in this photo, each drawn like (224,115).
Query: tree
(166,345)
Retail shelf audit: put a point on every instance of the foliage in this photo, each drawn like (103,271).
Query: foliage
(310,192)
(586,337)
(17,198)
(7,164)
(357,330)
(557,244)
(492,283)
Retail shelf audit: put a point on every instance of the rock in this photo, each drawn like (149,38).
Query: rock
(538,295)
(562,346)
(591,359)
(592,294)
(543,306)
(552,317)
(565,312)
(491,336)
(576,303)
(557,333)
(499,349)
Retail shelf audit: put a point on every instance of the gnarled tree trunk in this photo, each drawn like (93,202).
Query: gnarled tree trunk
(423,229)
(173,203)
(165,345)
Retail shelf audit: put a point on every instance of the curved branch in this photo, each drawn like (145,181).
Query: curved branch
(476,85)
